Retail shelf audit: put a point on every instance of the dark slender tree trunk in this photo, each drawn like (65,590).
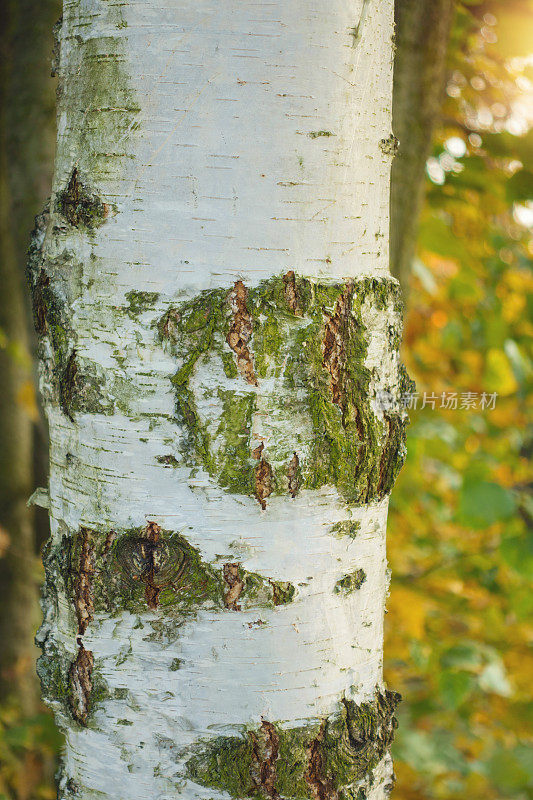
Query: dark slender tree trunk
(26,154)
(422,34)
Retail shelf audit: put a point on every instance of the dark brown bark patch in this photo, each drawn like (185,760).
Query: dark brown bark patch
(334,349)
(78,206)
(240,332)
(83,591)
(39,303)
(291,293)
(316,777)
(235,584)
(265,752)
(68,385)
(80,683)
(263,481)
(293,476)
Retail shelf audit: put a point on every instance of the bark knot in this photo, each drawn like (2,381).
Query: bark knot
(153,560)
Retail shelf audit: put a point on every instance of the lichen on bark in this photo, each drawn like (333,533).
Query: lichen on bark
(298,348)
(326,760)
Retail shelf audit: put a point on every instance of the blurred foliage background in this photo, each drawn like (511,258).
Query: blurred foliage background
(460,541)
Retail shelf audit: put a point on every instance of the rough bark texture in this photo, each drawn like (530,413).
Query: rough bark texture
(26,147)
(422,34)
(217,325)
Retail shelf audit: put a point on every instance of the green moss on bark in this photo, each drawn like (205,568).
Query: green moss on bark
(351,582)
(100,105)
(338,753)
(138,302)
(314,396)
(182,584)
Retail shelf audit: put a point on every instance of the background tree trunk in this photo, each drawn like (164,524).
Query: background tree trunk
(26,153)
(218,330)
(422,35)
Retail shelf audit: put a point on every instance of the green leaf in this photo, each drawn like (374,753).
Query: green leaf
(507,771)
(432,753)
(437,236)
(519,187)
(455,688)
(463,656)
(517,552)
(482,503)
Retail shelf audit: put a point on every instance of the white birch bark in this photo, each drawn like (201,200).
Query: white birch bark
(219,146)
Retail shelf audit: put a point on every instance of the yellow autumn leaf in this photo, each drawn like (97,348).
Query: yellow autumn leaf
(26,399)
(499,376)
(408,610)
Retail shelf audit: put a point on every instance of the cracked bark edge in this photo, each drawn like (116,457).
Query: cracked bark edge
(240,332)
(68,386)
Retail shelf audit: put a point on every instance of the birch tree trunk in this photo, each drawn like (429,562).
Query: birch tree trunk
(218,326)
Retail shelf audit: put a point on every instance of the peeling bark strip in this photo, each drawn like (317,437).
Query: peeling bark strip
(265,752)
(322,761)
(325,389)
(240,332)
(236,585)
(80,681)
